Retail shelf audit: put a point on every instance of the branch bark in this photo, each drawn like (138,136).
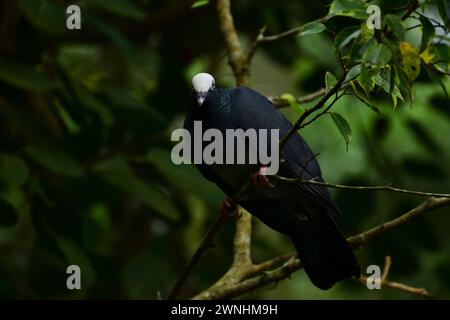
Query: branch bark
(396,285)
(237,59)
(292,264)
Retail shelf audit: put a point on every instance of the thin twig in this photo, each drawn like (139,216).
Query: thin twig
(324,111)
(309,111)
(386,268)
(395,285)
(361,188)
(207,243)
(305,166)
(400,286)
(281,35)
(282,103)
(285,34)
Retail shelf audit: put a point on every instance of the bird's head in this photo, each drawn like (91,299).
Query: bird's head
(202,83)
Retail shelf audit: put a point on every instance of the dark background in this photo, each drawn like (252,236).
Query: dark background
(85,172)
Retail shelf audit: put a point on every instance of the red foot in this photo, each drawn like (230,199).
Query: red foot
(260,178)
(228,208)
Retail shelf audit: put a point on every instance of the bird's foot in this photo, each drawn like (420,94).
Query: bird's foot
(228,208)
(260,178)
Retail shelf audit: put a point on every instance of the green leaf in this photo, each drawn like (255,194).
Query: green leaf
(70,124)
(348,8)
(311,28)
(367,103)
(343,126)
(395,24)
(361,44)
(353,73)
(383,83)
(365,79)
(293,104)
(74,255)
(396,94)
(122,8)
(91,102)
(330,81)
(444,11)
(378,54)
(112,33)
(13,170)
(54,159)
(119,174)
(441,56)
(435,77)
(184,177)
(199,3)
(48,16)
(23,76)
(427,32)
(345,36)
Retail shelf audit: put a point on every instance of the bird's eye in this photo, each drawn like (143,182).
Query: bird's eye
(213,85)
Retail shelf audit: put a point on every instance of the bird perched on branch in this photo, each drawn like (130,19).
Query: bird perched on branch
(304,212)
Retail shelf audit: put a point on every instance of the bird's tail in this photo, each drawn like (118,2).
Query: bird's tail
(323,250)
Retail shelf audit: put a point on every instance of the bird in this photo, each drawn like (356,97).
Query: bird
(306,213)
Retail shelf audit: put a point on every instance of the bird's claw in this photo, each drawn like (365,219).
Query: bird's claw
(260,178)
(228,208)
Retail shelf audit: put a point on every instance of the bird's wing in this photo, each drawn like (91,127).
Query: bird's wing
(257,112)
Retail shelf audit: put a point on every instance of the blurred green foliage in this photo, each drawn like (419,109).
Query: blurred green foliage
(86,117)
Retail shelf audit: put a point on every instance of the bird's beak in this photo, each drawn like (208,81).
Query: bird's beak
(201,96)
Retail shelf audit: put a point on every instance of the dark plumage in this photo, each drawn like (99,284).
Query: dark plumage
(305,213)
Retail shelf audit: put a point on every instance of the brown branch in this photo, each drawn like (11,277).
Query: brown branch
(232,290)
(428,205)
(285,34)
(237,59)
(207,243)
(386,268)
(261,38)
(242,240)
(361,188)
(282,103)
(395,285)
(239,63)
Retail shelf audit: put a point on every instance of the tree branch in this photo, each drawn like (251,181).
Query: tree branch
(207,243)
(361,188)
(282,103)
(395,285)
(285,34)
(386,269)
(239,63)
(292,264)
(237,59)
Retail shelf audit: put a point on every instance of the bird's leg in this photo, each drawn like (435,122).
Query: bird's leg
(228,208)
(260,178)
